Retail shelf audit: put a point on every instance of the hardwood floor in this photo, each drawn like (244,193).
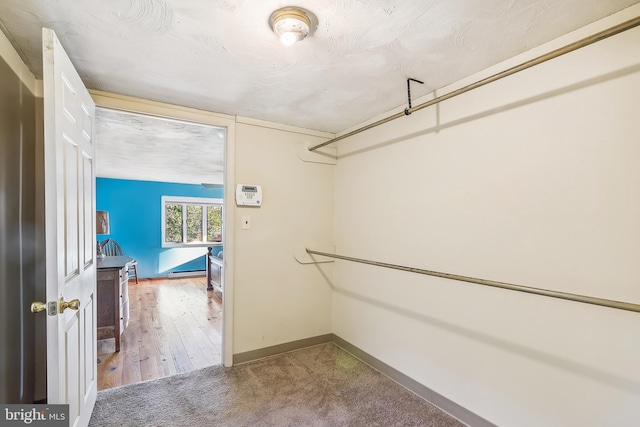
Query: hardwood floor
(174,326)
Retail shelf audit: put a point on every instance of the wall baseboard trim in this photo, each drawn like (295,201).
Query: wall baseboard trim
(436,399)
(195,273)
(261,353)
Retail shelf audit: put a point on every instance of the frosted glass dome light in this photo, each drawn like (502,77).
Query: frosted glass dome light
(291,24)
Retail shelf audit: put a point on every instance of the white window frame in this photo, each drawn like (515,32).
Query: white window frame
(202,201)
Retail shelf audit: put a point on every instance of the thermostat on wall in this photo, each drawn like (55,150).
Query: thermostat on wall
(248,195)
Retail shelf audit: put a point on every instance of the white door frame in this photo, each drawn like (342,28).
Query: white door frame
(152,108)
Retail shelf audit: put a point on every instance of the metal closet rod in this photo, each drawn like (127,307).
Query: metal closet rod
(537,291)
(528,64)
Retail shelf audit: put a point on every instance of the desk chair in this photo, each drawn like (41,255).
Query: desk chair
(111,248)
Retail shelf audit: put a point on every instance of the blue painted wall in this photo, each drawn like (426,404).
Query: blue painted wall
(135,220)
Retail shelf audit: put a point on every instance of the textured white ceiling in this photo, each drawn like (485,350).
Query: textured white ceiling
(220,55)
(147,148)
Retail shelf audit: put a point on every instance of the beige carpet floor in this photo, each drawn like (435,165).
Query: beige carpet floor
(316,386)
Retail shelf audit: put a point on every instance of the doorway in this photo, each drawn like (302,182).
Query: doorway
(174,323)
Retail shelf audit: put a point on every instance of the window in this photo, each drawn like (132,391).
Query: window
(191,221)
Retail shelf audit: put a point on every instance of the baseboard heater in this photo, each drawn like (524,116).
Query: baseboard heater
(191,273)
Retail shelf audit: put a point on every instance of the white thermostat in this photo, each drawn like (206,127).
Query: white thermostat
(248,195)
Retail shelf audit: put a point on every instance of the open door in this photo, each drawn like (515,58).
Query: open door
(70,234)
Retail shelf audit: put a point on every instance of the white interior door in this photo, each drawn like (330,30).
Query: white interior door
(70,234)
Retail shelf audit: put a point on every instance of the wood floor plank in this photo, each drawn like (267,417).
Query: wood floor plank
(131,351)
(174,327)
(206,338)
(109,371)
(210,351)
(170,304)
(211,320)
(151,351)
(166,364)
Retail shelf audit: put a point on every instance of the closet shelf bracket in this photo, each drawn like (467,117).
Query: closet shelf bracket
(328,156)
(304,257)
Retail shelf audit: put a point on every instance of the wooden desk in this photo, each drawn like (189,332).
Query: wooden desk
(113,296)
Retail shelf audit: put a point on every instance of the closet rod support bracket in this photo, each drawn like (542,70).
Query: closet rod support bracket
(407,110)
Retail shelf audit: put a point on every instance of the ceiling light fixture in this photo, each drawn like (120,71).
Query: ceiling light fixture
(291,24)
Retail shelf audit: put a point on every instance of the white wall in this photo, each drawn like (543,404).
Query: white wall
(533,180)
(270,298)
(276,299)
